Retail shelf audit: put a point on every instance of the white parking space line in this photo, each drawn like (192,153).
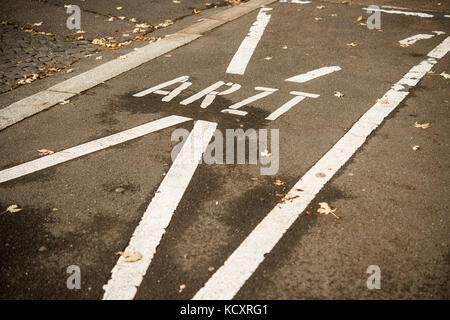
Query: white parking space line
(406,13)
(127,276)
(89,147)
(313,74)
(243,55)
(411,40)
(239,267)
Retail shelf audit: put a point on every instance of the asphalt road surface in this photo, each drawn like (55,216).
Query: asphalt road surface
(362,124)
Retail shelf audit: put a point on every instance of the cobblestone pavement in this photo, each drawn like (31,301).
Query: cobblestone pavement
(26,56)
(28,53)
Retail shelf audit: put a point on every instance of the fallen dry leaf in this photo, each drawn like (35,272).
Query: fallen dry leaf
(415,148)
(359,19)
(320,175)
(338,94)
(266,153)
(326,210)
(352,44)
(382,101)
(11,209)
(182,287)
(45,152)
(119,8)
(445,75)
(130,257)
(196,11)
(278,182)
(421,125)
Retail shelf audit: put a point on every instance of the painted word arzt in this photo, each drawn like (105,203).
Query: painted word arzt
(221,88)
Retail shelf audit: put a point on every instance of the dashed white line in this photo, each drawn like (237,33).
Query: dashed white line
(243,55)
(313,74)
(126,277)
(89,147)
(239,267)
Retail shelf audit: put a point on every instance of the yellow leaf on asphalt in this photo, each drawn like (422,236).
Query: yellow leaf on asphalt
(279,183)
(359,19)
(326,209)
(421,125)
(130,257)
(45,152)
(11,209)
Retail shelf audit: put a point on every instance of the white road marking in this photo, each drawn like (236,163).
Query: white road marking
(406,13)
(126,277)
(313,74)
(439,32)
(89,147)
(242,57)
(299,96)
(296,1)
(411,40)
(239,267)
(52,96)
(233,108)
(160,86)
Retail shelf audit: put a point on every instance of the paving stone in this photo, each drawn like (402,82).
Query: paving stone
(35,51)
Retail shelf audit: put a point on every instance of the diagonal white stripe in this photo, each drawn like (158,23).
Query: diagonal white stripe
(242,56)
(239,267)
(125,276)
(313,74)
(89,147)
